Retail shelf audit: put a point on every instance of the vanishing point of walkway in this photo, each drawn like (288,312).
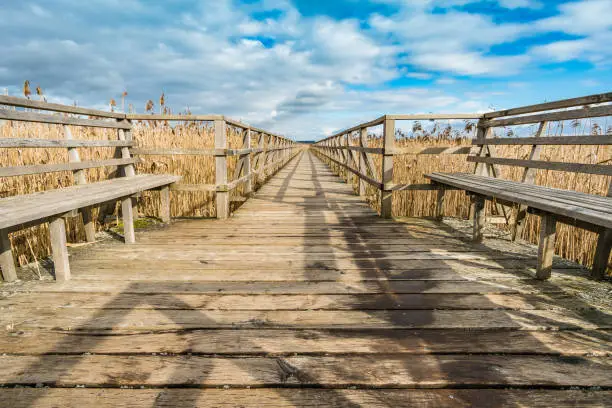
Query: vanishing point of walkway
(305,297)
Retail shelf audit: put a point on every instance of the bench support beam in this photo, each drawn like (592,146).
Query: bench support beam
(164,209)
(128,221)
(478,203)
(546,247)
(59,249)
(602,254)
(88,224)
(439,215)
(6,257)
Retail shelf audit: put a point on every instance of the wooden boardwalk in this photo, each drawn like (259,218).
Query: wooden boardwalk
(305,297)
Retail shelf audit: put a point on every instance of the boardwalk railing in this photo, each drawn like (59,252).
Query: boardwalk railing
(359,161)
(255,163)
(346,158)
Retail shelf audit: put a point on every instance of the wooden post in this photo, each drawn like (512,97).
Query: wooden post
(546,247)
(221,170)
(80,179)
(6,257)
(439,215)
(386,199)
(363,169)
(602,254)
(247,164)
(478,203)
(128,170)
(128,220)
(59,250)
(164,209)
(529,175)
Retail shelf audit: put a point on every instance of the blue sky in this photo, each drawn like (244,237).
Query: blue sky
(305,68)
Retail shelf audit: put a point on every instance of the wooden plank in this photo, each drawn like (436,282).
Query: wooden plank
(388,372)
(432,150)
(55,107)
(286,398)
(48,143)
(301,287)
(565,103)
(59,119)
(310,342)
(376,301)
(61,265)
(7,263)
(600,169)
(582,113)
(174,118)
(546,141)
(193,187)
(159,151)
(435,116)
(12,171)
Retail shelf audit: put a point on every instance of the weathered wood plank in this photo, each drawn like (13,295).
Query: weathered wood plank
(389,372)
(287,398)
(310,342)
(60,119)
(43,143)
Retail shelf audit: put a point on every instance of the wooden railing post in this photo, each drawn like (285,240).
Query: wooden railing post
(386,196)
(79,179)
(363,168)
(529,175)
(222,198)
(247,163)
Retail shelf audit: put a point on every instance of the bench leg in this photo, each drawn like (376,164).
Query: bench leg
(546,247)
(479,218)
(164,210)
(59,250)
(88,223)
(519,222)
(439,215)
(135,206)
(128,221)
(602,254)
(6,257)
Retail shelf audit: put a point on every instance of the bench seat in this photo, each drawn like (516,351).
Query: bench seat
(554,205)
(588,208)
(23,209)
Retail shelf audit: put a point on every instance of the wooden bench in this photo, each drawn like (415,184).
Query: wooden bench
(22,211)
(552,205)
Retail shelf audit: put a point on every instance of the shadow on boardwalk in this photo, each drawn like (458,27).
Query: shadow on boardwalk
(188,366)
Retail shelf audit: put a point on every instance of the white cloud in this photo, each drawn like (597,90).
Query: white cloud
(295,74)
